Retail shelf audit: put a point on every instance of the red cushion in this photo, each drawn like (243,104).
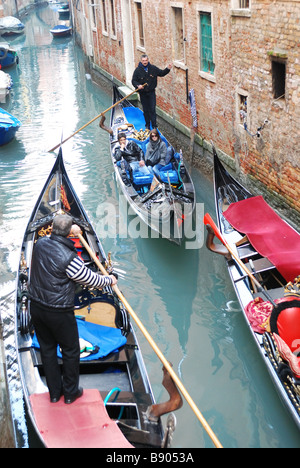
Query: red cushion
(288,323)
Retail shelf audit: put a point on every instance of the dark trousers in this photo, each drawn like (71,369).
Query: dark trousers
(58,328)
(148,101)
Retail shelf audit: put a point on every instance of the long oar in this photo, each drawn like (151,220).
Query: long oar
(208,220)
(155,348)
(95,118)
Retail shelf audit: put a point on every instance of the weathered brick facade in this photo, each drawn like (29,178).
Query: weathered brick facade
(247,39)
(16,7)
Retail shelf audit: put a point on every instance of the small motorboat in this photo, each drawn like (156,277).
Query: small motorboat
(9,125)
(8,56)
(9,25)
(63,9)
(6,84)
(61,30)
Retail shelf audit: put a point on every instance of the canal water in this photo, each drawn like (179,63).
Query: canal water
(183,296)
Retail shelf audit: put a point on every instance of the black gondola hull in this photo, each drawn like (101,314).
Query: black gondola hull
(166,208)
(122,367)
(227,191)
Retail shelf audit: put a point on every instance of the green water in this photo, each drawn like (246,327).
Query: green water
(183,297)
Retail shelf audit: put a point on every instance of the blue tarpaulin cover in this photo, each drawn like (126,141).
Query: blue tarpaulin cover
(108,339)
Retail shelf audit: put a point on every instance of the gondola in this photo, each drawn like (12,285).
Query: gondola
(117,394)
(271,311)
(165,205)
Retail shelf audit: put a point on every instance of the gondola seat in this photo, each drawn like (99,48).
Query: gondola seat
(166,171)
(142,179)
(285,326)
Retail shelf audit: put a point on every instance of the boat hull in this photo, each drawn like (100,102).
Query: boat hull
(166,207)
(8,58)
(9,125)
(227,191)
(118,371)
(61,31)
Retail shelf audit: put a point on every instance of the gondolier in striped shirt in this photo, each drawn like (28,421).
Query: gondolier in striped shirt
(55,270)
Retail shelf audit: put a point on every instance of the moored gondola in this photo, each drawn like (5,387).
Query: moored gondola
(262,254)
(115,409)
(164,202)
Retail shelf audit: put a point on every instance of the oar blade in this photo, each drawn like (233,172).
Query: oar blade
(208,220)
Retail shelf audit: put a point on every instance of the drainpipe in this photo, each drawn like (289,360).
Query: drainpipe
(17,8)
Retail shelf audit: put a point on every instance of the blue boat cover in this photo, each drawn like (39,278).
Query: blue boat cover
(108,339)
(8,120)
(135,116)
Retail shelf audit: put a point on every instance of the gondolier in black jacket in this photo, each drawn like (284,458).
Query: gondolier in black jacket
(55,269)
(148,73)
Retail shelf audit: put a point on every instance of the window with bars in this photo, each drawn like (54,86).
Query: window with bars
(206,43)
(240,4)
(104,16)
(113,18)
(244,3)
(178,34)
(92,9)
(140,27)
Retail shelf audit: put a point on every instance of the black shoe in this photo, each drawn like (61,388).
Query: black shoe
(54,400)
(69,400)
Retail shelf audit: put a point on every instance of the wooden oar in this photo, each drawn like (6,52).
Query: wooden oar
(95,118)
(155,348)
(208,220)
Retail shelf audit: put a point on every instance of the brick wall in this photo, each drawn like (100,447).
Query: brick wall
(17,7)
(244,45)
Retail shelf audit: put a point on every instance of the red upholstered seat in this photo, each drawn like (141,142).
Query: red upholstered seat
(286,317)
(285,326)
(272,237)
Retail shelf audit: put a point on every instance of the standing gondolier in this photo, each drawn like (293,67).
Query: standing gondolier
(148,73)
(55,269)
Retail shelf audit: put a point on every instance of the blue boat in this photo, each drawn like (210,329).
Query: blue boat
(8,56)
(9,125)
(61,30)
(11,26)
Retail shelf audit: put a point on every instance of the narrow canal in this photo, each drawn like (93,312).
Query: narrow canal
(183,297)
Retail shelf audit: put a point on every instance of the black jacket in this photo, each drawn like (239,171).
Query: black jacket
(131,153)
(49,284)
(141,76)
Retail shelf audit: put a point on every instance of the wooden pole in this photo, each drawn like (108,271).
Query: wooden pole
(156,349)
(93,120)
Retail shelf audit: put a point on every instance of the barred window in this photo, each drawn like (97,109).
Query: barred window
(141,40)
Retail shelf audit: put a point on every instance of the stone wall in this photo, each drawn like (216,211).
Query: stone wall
(17,7)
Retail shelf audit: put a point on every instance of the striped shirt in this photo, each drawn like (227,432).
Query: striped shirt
(78,272)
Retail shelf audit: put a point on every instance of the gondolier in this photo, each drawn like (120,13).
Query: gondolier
(93,421)
(148,73)
(56,268)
